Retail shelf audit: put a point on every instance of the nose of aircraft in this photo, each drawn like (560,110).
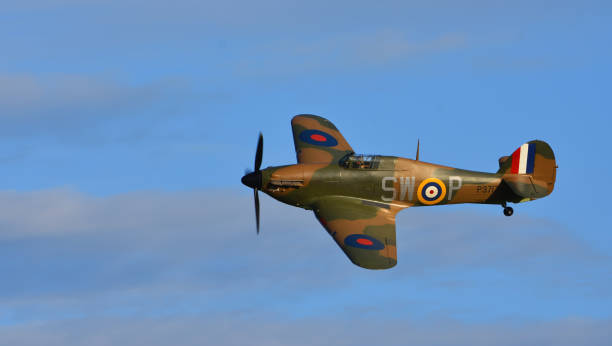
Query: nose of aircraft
(252,180)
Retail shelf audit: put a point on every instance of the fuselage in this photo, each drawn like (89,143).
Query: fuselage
(356,197)
(380,179)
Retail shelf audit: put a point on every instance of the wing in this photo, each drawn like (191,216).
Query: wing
(317,140)
(364,230)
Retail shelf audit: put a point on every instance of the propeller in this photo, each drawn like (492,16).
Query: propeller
(253,179)
(259,152)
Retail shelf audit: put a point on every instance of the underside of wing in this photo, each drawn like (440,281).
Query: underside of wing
(364,230)
(317,140)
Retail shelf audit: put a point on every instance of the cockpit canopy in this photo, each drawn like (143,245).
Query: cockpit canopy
(360,161)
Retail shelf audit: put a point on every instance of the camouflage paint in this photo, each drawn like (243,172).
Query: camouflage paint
(357,206)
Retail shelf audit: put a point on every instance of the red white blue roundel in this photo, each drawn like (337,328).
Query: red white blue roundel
(363,241)
(431,191)
(317,137)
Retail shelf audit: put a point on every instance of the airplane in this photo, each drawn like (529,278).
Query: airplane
(356,197)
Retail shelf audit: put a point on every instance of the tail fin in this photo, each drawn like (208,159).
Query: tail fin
(530,171)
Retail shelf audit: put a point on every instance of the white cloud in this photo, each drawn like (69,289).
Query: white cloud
(69,104)
(152,266)
(30,96)
(341,51)
(235,329)
(218,226)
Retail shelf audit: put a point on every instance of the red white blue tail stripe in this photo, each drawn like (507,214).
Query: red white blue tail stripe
(523,159)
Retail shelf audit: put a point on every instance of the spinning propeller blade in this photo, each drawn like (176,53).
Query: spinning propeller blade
(253,179)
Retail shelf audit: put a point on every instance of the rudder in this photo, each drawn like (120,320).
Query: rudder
(530,171)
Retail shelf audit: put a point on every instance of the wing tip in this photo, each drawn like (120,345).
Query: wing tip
(377,265)
(323,121)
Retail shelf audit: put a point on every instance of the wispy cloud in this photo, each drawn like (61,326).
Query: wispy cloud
(32,104)
(216,228)
(341,51)
(236,329)
(189,263)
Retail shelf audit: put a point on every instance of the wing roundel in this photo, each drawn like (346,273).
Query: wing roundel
(317,140)
(364,230)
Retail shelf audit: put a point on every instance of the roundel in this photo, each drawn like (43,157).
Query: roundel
(431,191)
(317,137)
(363,241)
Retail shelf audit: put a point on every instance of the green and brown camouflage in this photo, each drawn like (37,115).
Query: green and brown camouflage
(356,197)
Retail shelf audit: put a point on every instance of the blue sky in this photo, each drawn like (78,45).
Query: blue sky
(126,126)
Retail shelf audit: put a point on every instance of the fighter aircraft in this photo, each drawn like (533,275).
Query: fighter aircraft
(356,197)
